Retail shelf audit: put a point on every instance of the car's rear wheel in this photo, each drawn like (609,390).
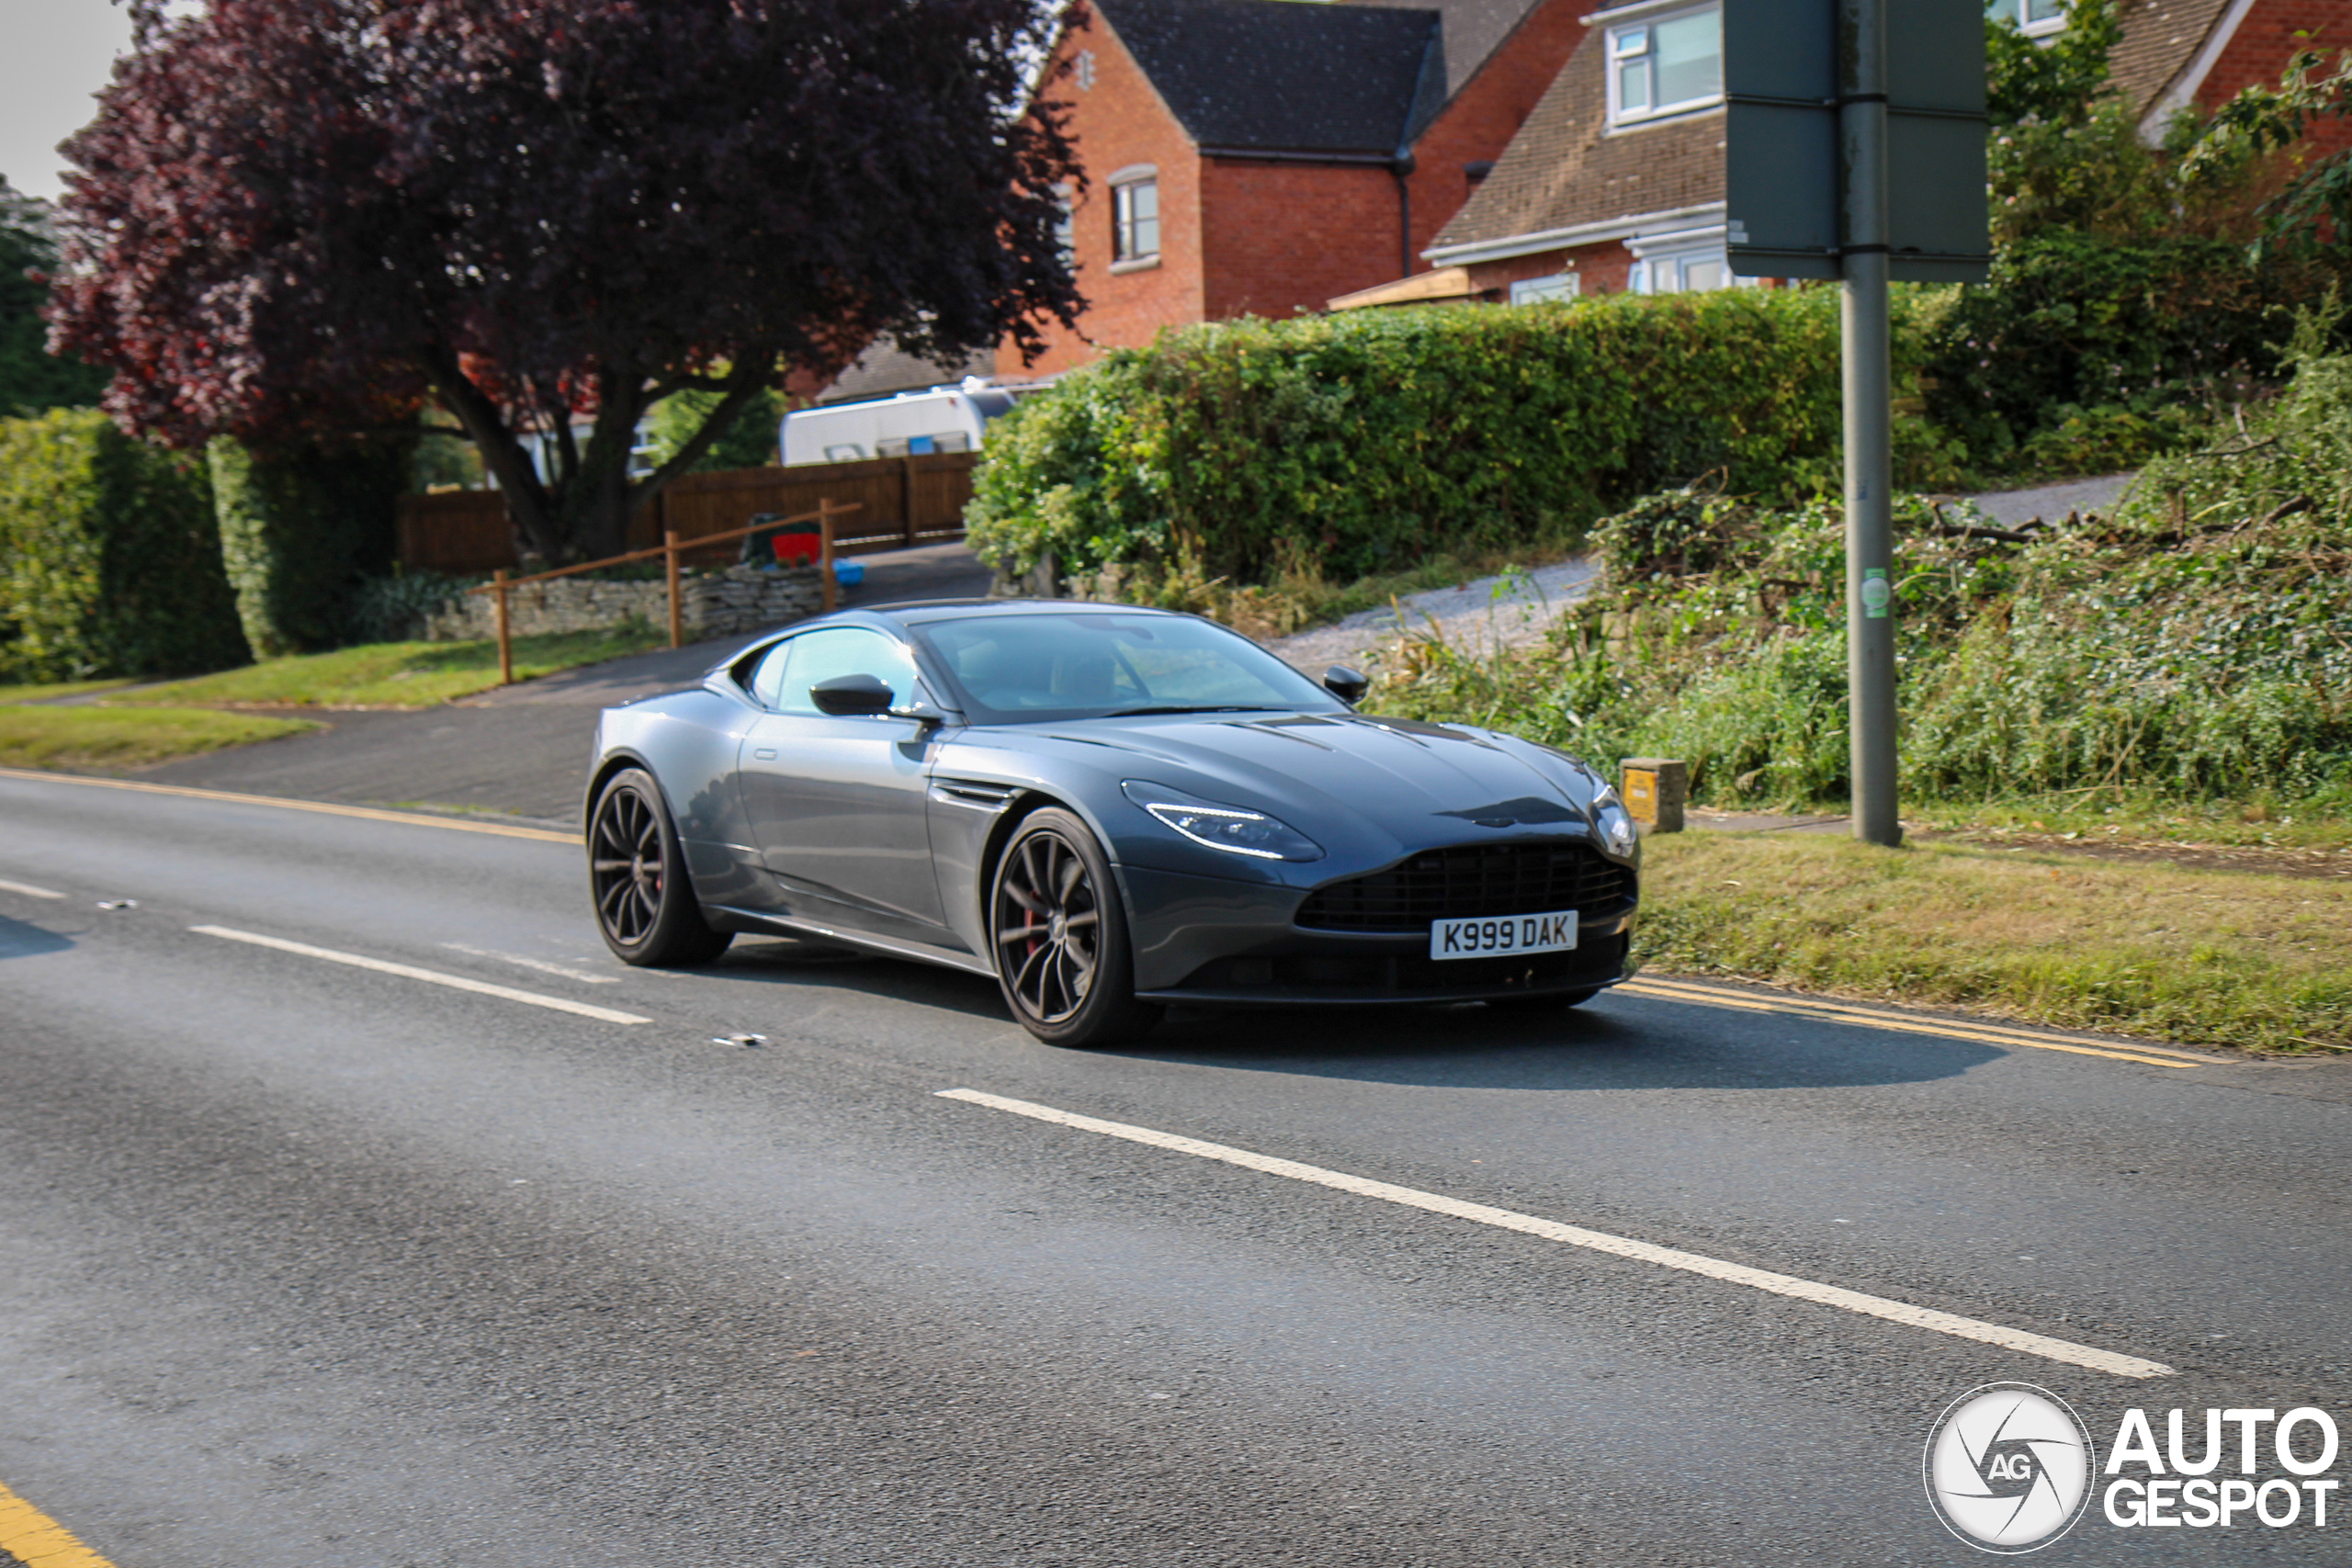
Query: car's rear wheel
(1059,933)
(645,904)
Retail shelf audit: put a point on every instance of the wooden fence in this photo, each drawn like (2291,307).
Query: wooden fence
(900,501)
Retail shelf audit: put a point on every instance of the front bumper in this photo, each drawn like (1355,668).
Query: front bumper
(1201,938)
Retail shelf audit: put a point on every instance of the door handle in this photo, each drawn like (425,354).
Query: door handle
(764,753)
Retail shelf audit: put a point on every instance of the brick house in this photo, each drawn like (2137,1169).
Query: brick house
(1256,157)
(1615,180)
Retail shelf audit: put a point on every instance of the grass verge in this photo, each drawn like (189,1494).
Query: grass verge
(61,689)
(393,674)
(105,739)
(2202,957)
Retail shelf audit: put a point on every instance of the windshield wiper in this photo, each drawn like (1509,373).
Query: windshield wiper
(1227,707)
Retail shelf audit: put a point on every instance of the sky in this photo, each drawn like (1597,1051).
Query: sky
(58,52)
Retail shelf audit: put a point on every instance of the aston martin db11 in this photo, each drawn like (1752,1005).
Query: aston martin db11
(1108,810)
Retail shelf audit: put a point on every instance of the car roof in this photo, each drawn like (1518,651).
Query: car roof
(924,611)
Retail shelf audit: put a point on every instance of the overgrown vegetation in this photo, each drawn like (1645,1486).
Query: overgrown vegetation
(2197,646)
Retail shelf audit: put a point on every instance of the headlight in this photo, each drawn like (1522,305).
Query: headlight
(1616,825)
(1228,828)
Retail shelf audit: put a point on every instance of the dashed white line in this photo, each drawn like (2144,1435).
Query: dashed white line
(29,890)
(544,967)
(1598,1241)
(432,977)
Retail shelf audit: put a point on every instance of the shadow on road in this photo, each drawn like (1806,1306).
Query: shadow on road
(813,965)
(21,939)
(1607,1044)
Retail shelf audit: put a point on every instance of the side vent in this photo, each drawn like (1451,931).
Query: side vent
(977,794)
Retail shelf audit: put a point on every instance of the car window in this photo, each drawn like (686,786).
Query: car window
(767,677)
(837,651)
(1007,669)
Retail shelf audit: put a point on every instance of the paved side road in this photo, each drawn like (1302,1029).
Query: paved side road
(521,752)
(305,1264)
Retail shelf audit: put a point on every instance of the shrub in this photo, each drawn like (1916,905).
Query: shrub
(109,555)
(1359,441)
(2083,353)
(301,529)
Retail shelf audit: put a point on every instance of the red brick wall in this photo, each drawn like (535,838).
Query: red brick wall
(1118,122)
(1599,269)
(1285,237)
(1483,117)
(2267,40)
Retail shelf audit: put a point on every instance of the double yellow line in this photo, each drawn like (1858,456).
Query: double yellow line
(1911,1023)
(35,1539)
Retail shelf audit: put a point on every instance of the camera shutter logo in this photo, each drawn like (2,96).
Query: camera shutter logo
(2008,1468)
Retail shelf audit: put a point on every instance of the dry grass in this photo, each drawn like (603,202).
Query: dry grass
(2168,952)
(108,740)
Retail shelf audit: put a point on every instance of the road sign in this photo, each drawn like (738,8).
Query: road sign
(1784,155)
(1855,150)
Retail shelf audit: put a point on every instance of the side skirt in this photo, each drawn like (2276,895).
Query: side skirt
(754,921)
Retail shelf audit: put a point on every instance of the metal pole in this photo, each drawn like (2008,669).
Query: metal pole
(1869,464)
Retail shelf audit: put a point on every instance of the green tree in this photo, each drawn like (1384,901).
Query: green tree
(32,379)
(749,442)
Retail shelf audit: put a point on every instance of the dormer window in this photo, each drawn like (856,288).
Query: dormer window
(1667,64)
(2035,19)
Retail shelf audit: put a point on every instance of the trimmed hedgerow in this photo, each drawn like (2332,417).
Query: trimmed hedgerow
(1359,442)
(109,555)
(302,531)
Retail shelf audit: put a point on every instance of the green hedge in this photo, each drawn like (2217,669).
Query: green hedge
(109,555)
(1359,441)
(301,531)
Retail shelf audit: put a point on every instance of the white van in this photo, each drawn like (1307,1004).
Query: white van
(944,419)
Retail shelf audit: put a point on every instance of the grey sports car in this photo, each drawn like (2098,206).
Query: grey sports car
(1109,810)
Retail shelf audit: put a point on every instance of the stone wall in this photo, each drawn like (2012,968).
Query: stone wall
(734,602)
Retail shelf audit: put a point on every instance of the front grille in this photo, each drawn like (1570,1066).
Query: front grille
(1474,879)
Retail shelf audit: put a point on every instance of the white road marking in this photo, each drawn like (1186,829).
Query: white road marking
(1598,1241)
(29,890)
(543,968)
(432,976)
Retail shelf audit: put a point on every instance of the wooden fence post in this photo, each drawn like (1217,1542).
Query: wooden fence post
(906,497)
(670,567)
(825,554)
(505,637)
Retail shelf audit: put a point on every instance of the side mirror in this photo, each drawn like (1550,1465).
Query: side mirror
(926,714)
(1348,685)
(850,696)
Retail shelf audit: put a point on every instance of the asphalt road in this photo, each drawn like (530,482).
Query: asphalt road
(305,1264)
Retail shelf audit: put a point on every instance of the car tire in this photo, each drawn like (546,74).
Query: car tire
(1058,930)
(1546,1002)
(646,907)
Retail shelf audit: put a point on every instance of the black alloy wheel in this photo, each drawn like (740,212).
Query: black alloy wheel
(645,904)
(1060,937)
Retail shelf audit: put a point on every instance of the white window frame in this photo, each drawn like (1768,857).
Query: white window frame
(2040,26)
(1124,224)
(1535,290)
(1630,41)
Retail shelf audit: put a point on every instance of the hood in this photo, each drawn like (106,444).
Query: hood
(1366,788)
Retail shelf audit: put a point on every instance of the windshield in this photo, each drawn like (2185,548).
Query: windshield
(1029,668)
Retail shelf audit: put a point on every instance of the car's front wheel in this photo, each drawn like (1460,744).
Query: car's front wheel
(645,904)
(1061,936)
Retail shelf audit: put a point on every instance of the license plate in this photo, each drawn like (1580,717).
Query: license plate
(1485,937)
